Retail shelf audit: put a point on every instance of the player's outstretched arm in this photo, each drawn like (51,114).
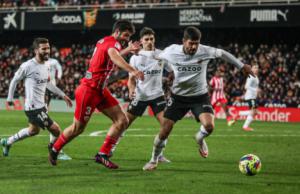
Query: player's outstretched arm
(19,75)
(232,59)
(120,62)
(133,47)
(60,93)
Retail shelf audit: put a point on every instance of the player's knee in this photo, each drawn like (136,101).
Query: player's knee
(122,123)
(209,127)
(34,131)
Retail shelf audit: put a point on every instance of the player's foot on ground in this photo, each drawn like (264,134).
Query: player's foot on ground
(162,159)
(203,148)
(5,147)
(52,157)
(150,166)
(63,156)
(104,160)
(248,129)
(231,121)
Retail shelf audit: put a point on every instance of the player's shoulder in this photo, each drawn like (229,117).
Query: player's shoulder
(205,48)
(110,41)
(174,47)
(28,64)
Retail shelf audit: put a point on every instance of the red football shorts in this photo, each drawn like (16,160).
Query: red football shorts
(219,101)
(88,99)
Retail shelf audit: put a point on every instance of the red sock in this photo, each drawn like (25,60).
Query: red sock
(60,142)
(107,145)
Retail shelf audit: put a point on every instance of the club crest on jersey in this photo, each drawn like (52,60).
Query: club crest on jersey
(118,45)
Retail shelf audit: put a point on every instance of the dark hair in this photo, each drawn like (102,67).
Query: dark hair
(37,41)
(123,25)
(191,33)
(146,31)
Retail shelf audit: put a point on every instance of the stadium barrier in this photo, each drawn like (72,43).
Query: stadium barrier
(264,114)
(166,18)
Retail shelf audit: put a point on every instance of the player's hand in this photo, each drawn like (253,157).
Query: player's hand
(134,47)
(10,103)
(247,70)
(131,94)
(138,74)
(68,101)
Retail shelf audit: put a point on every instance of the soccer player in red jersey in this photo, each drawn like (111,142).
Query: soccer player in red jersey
(92,92)
(218,95)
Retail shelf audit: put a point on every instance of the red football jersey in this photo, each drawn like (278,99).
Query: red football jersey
(217,84)
(100,65)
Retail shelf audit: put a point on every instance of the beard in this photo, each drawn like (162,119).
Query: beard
(44,57)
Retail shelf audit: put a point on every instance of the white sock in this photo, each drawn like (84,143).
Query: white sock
(244,113)
(22,134)
(157,149)
(52,138)
(248,121)
(202,133)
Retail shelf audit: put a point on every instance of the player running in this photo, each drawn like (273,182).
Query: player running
(252,88)
(218,95)
(150,91)
(92,92)
(35,74)
(189,91)
(55,73)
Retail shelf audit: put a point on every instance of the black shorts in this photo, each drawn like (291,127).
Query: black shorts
(39,117)
(252,103)
(178,106)
(138,108)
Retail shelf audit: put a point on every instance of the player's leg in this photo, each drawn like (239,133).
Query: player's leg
(86,100)
(205,114)
(55,131)
(159,144)
(120,123)
(250,116)
(130,118)
(173,113)
(6,143)
(158,106)
(206,128)
(135,109)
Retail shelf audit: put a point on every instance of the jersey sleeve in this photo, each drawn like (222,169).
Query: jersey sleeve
(19,75)
(213,52)
(132,61)
(59,69)
(164,55)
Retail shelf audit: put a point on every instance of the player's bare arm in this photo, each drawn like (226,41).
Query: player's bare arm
(120,62)
(60,93)
(131,86)
(133,47)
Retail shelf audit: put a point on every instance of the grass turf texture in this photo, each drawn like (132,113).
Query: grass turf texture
(27,170)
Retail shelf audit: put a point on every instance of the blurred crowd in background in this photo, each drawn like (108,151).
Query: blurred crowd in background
(117,3)
(279,72)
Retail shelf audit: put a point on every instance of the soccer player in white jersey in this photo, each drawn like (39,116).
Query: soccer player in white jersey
(252,88)
(150,91)
(35,74)
(189,90)
(218,95)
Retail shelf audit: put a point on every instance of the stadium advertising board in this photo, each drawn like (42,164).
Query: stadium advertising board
(224,17)
(10,21)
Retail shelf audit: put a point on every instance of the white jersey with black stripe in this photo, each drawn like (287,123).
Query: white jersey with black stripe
(36,77)
(189,70)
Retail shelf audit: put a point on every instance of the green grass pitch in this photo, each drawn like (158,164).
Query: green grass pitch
(27,170)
